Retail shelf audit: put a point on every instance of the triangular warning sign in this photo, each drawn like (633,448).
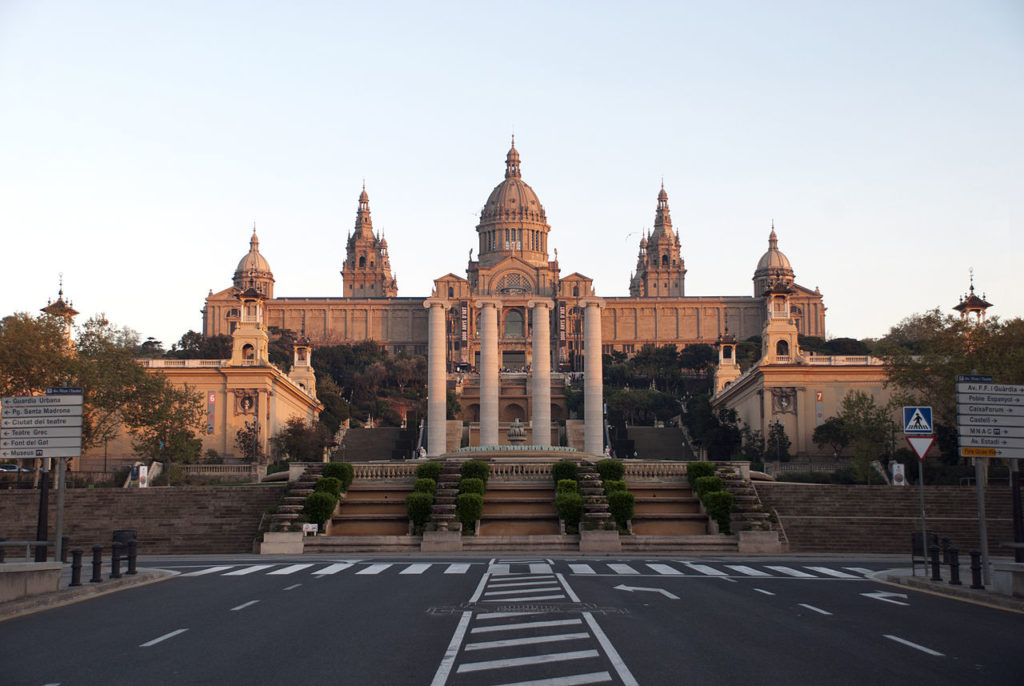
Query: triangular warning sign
(921,444)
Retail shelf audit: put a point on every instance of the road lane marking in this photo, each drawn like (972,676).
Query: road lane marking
(292,587)
(815,609)
(445,668)
(665,569)
(524,625)
(540,568)
(704,569)
(417,568)
(248,570)
(503,615)
(860,570)
(158,639)
(609,650)
(888,597)
(498,570)
(581,569)
(749,571)
(526,641)
(622,569)
(532,597)
(789,571)
(833,572)
(523,661)
(524,590)
(568,591)
(291,569)
(244,605)
(624,587)
(574,680)
(457,568)
(375,568)
(913,645)
(209,570)
(333,569)
(761,590)
(522,584)
(480,587)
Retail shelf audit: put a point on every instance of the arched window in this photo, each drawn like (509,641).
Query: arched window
(664,260)
(514,324)
(451,292)
(362,261)
(782,348)
(248,352)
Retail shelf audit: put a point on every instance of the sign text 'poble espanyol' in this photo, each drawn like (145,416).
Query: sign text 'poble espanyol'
(990,418)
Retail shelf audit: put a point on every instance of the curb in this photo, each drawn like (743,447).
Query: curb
(67,595)
(899,577)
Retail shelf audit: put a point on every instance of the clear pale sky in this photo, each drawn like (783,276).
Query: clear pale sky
(139,141)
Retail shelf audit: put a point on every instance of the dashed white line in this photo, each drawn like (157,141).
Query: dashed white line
(704,569)
(815,609)
(457,568)
(622,569)
(911,644)
(520,584)
(665,569)
(209,570)
(291,588)
(159,639)
(375,568)
(860,570)
(523,590)
(526,640)
(244,605)
(581,569)
(761,590)
(521,661)
(416,568)
(749,571)
(503,615)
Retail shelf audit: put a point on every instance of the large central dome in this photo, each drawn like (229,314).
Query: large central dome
(512,222)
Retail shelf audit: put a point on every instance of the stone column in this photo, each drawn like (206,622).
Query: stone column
(593,395)
(488,372)
(437,378)
(540,394)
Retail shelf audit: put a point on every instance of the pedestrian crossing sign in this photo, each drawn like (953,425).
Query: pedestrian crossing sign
(917,420)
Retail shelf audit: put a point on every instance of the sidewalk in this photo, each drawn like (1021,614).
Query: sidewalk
(923,582)
(72,594)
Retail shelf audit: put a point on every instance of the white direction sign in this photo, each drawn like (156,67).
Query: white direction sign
(42,400)
(49,411)
(31,453)
(14,422)
(989,388)
(992,431)
(995,399)
(963,419)
(991,442)
(990,419)
(41,442)
(42,432)
(41,426)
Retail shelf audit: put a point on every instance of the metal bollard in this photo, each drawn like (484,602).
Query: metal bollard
(933,553)
(2,549)
(945,550)
(132,554)
(76,567)
(65,541)
(97,564)
(976,570)
(954,566)
(115,560)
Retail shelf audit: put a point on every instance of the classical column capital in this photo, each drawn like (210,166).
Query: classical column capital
(436,302)
(590,302)
(481,303)
(541,302)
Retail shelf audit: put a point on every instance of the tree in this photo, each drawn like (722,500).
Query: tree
(164,420)
(778,443)
(33,354)
(869,428)
(832,432)
(247,442)
(301,441)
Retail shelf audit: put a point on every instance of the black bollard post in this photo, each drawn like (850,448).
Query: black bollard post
(97,564)
(945,550)
(115,560)
(76,567)
(65,542)
(976,570)
(132,553)
(954,566)
(933,552)
(2,549)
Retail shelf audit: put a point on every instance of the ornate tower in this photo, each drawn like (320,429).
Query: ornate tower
(971,307)
(773,267)
(779,338)
(512,222)
(302,366)
(250,344)
(254,271)
(62,310)
(366,272)
(660,270)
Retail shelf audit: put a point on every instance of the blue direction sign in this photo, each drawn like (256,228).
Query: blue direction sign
(917,420)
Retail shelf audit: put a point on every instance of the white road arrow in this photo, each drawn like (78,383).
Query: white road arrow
(623,587)
(887,597)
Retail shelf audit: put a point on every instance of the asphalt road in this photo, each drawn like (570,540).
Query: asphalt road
(466,621)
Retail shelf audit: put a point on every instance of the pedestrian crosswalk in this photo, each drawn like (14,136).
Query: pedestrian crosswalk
(662,567)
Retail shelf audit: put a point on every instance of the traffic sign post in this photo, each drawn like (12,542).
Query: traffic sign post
(917,426)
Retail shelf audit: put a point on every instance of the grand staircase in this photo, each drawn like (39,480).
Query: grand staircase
(519,509)
(668,517)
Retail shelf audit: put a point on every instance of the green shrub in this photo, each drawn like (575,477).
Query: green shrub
(472,485)
(468,508)
(425,486)
(611,470)
(272,468)
(418,506)
(328,484)
(342,471)
(319,506)
(621,504)
(695,470)
(475,469)
(567,486)
(707,484)
(565,469)
(613,486)
(429,470)
(719,507)
(570,508)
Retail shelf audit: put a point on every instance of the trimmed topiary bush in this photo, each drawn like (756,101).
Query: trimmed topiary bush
(425,486)
(475,469)
(570,508)
(319,506)
(468,508)
(342,471)
(567,486)
(328,484)
(428,470)
(565,469)
(418,506)
(719,507)
(610,470)
(695,470)
(472,485)
(621,505)
(611,486)
(707,484)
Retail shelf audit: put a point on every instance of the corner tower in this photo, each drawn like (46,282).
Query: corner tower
(512,222)
(366,272)
(660,271)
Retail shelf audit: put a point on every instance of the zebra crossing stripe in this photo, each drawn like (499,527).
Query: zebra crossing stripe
(417,568)
(749,571)
(524,625)
(789,571)
(209,570)
(524,599)
(522,584)
(523,590)
(665,569)
(526,641)
(832,572)
(523,661)
(375,568)
(574,680)
(289,570)
(498,570)
(581,569)
(860,570)
(334,568)
(248,570)
(540,568)
(622,569)
(457,568)
(704,569)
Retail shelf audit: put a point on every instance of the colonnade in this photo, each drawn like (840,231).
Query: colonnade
(540,389)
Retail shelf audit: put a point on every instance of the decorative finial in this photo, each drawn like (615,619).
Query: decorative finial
(60,286)
(971,272)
